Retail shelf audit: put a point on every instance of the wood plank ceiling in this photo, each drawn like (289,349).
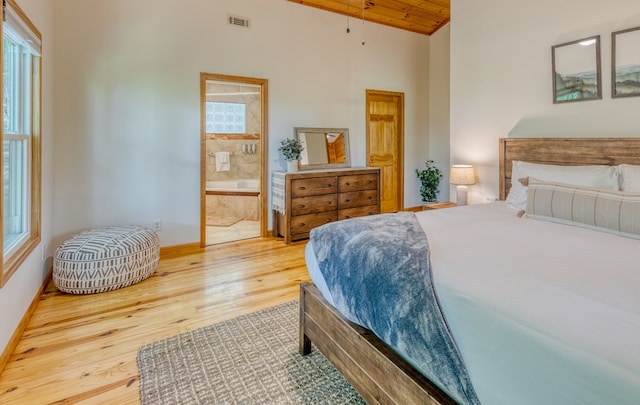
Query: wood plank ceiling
(421,16)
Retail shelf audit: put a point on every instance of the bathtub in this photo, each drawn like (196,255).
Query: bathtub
(233,198)
(229,187)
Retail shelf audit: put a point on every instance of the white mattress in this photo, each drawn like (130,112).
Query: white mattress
(543,313)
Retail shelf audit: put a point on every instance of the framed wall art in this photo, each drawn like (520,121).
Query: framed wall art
(625,63)
(576,70)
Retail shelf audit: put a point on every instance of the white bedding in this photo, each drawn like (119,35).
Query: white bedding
(543,313)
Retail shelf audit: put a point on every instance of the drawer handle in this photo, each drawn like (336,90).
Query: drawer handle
(302,224)
(301,206)
(328,220)
(369,198)
(302,188)
(327,202)
(347,216)
(369,182)
(347,184)
(347,200)
(329,185)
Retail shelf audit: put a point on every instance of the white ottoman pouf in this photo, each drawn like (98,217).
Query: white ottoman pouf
(106,259)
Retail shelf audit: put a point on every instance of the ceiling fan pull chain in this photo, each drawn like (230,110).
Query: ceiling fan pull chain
(348,29)
(362,22)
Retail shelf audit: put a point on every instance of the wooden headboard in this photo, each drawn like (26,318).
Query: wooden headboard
(565,151)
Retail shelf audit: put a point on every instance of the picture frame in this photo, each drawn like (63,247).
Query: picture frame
(625,63)
(576,70)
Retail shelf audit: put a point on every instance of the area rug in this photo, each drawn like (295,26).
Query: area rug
(252,359)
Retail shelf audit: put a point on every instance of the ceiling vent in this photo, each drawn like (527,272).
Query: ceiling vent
(238,21)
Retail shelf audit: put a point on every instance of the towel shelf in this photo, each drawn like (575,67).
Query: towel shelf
(213,155)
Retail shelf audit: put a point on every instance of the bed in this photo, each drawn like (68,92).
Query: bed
(536,350)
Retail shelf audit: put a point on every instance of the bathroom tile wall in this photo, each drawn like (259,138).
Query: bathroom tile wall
(231,206)
(244,159)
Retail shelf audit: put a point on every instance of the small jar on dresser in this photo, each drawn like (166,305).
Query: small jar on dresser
(304,200)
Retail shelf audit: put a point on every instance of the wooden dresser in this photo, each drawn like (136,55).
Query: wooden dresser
(312,198)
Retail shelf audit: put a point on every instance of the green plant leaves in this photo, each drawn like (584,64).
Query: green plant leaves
(429,181)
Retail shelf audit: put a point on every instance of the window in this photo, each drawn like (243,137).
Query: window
(20,138)
(226,118)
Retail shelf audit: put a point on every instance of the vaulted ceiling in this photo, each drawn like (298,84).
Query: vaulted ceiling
(421,16)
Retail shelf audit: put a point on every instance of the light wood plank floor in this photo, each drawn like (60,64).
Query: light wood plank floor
(82,349)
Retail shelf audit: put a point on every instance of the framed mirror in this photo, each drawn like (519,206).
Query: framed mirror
(324,148)
(576,70)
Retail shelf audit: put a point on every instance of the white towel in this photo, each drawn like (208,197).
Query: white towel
(222,162)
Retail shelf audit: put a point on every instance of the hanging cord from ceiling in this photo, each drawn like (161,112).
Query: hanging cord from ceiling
(348,29)
(362,22)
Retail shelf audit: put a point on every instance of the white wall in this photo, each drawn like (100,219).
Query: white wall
(19,292)
(439,102)
(127,97)
(501,77)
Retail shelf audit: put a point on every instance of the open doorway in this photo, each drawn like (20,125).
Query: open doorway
(233,154)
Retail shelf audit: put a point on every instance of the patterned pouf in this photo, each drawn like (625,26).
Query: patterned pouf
(106,259)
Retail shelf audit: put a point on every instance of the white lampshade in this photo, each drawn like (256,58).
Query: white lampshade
(462,175)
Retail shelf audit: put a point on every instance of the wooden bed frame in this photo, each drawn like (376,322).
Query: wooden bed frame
(565,151)
(371,367)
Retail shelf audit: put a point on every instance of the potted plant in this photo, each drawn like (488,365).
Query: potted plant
(429,181)
(291,149)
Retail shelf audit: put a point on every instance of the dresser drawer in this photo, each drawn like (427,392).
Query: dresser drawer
(358,182)
(314,203)
(357,212)
(357,199)
(313,186)
(302,224)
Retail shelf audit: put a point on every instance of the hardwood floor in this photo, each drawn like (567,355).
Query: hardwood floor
(82,349)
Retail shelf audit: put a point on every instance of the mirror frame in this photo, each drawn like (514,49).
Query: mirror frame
(347,156)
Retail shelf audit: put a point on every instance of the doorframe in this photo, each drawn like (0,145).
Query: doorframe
(399,138)
(264,148)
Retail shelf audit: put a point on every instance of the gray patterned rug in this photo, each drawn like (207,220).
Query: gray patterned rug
(252,359)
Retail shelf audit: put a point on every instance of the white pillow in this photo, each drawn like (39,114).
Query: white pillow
(629,178)
(596,176)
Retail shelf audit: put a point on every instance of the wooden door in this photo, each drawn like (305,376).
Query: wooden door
(385,145)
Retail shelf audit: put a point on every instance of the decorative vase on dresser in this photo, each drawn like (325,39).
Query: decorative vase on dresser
(292,166)
(304,200)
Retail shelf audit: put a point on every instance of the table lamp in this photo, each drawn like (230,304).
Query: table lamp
(462,176)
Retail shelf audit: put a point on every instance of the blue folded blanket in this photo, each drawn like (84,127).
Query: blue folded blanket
(378,272)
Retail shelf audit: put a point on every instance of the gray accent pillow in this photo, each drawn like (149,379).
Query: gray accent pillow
(603,210)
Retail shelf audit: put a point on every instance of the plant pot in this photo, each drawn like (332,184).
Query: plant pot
(292,166)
